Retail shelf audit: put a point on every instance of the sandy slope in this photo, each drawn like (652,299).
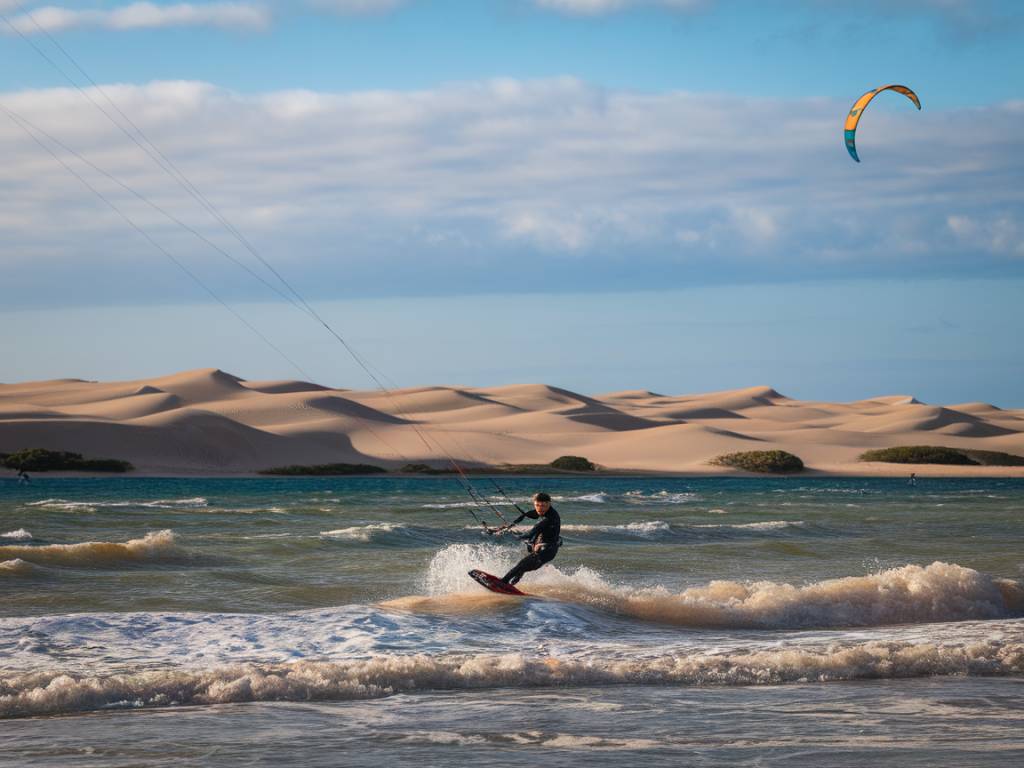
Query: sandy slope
(208,421)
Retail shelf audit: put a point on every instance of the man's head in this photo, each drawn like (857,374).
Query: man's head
(541,502)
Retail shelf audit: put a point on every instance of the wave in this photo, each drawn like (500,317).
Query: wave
(364,532)
(19,535)
(659,528)
(17,567)
(594,498)
(58,692)
(767,525)
(196,502)
(464,504)
(155,546)
(644,529)
(910,594)
(662,497)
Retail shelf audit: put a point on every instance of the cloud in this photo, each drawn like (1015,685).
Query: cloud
(999,232)
(145,15)
(472,185)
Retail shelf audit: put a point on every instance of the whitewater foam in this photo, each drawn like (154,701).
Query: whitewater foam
(196,502)
(17,567)
(19,535)
(362,532)
(56,692)
(767,525)
(644,528)
(910,594)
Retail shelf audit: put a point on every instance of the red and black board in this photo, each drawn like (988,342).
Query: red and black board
(494,584)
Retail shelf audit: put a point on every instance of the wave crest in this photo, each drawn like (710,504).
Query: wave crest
(911,594)
(155,546)
(47,693)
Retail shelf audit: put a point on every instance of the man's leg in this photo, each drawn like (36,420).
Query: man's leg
(529,563)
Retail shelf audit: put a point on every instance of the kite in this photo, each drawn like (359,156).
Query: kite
(861,104)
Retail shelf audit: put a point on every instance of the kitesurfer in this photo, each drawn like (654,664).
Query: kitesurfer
(542,541)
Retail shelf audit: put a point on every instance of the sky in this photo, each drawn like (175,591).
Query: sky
(597,194)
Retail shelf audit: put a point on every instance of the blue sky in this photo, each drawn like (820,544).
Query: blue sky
(462,160)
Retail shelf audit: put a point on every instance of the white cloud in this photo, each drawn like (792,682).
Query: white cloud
(145,15)
(997,233)
(512,176)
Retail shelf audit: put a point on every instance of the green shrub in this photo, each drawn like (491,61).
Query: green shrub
(919,454)
(934,454)
(573,464)
(43,460)
(776,462)
(324,469)
(996,458)
(425,469)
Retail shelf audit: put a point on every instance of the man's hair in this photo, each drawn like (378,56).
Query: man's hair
(541,496)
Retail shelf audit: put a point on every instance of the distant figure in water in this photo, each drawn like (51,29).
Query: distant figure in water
(23,478)
(542,541)
(913,479)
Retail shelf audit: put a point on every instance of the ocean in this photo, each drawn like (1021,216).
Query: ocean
(686,621)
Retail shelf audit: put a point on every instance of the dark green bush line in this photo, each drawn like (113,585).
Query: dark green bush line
(561,464)
(42,460)
(776,462)
(325,469)
(934,454)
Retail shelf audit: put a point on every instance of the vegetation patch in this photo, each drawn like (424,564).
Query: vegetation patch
(43,460)
(325,469)
(425,469)
(561,464)
(774,462)
(995,458)
(934,454)
(573,464)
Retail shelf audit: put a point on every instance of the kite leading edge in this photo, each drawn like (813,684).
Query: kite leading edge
(861,104)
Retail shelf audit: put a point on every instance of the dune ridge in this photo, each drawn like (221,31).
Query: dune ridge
(208,421)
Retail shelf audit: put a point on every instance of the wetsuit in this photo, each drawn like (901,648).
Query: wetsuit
(546,532)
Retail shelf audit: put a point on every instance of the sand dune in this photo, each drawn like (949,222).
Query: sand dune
(211,422)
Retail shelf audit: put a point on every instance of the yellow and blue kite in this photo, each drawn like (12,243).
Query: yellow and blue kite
(858,109)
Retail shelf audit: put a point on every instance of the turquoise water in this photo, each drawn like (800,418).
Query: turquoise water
(803,608)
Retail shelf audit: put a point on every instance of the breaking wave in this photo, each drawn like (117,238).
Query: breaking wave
(19,535)
(364,532)
(645,529)
(662,497)
(17,567)
(767,525)
(192,503)
(155,546)
(910,594)
(57,692)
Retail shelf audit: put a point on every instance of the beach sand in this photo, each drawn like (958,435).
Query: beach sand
(208,422)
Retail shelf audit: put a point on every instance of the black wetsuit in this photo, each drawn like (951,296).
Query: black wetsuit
(547,533)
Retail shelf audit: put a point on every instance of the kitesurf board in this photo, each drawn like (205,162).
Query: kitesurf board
(494,584)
